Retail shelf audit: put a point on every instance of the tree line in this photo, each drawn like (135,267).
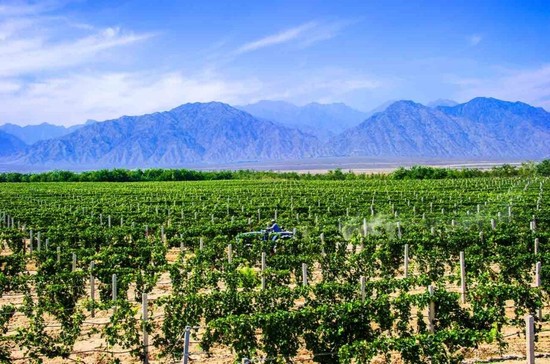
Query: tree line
(160,174)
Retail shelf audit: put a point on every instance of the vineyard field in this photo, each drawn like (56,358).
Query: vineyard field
(373,271)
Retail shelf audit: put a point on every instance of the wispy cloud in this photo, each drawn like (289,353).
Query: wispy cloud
(76,97)
(305,34)
(475,39)
(20,56)
(33,40)
(281,37)
(528,85)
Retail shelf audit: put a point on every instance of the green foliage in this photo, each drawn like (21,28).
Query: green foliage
(347,229)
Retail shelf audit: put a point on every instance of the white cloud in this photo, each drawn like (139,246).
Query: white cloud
(34,39)
(475,39)
(305,34)
(73,99)
(9,86)
(282,37)
(20,56)
(531,86)
(49,71)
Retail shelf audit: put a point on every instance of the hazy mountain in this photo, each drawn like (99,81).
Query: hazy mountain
(407,129)
(505,128)
(321,120)
(483,127)
(442,102)
(380,108)
(192,133)
(30,134)
(216,133)
(10,145)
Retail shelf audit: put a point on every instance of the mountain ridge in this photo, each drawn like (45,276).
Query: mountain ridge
(190,133)
(217,133)
(482,127)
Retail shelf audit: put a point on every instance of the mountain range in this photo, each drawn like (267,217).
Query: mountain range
(217,133)
(321,120)
(31,134)
(189,134)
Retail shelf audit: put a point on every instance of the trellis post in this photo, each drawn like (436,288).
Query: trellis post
(145,333)
(92,287)
(431,310)
(463,277)
(185,358)
(530,339)
(406,261)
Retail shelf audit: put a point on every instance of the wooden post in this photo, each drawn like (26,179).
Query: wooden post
(113,287)
(263,270)
(363,285)
(431,310)
(185,359)
(38,242)
(493,225)
(538,267)
(304,274)
(109,221)
(530,339)
(229,253)
(58,255)
(74,262)
(463,277)
(31,242)
(92,287)
(145,333)
(406,261)
(536,246)
(201,243)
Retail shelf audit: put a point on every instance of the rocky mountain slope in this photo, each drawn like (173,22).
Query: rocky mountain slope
(321,120)
(482,127)
(191,133)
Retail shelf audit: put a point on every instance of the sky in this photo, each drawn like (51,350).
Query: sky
(65,62)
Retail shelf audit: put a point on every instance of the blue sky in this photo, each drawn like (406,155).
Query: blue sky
(64,62)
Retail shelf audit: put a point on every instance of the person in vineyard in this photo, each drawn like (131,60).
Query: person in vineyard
(274,228)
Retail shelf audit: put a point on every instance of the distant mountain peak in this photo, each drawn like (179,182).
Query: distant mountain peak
(482,127)
(441,102)
(409,104)
(321,120)
(191,133)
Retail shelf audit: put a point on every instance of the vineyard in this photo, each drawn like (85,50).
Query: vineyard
(378,270)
